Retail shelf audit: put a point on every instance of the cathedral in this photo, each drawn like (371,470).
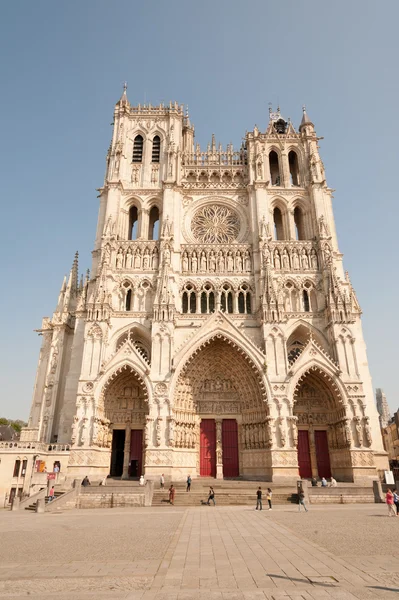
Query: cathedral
(217,333)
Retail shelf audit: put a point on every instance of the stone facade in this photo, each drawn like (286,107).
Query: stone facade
(217,293)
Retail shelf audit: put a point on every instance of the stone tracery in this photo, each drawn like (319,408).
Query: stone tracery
(215,224)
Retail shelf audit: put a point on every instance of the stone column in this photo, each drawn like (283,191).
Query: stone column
(219,450)
(126,453)
(312,448)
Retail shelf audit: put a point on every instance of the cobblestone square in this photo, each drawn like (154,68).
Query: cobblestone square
(343,552)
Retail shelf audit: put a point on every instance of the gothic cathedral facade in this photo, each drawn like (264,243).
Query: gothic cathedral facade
(217,334)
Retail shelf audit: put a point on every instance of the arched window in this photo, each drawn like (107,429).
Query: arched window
(244,300)
(189,299)
(133,223)
(138,149)
(278,224)
(226,300)
(306,303)
(153,228)
(156,149)
(294,168)
(274,168)
(207,300)
(128,300)
(299,224)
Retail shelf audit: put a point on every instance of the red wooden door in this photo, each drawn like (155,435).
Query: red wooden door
(208,448)
(136,453)
(322,454)
(305,467)
(230,448)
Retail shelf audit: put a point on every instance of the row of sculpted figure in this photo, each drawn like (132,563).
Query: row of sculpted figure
(255,435)
(136,258)
(291,258)
(216,261)
(185,435)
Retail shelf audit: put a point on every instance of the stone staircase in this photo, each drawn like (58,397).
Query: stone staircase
(32,507)
(227,493)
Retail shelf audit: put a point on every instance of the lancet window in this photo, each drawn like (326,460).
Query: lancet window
(138,149)
(153,226)
(226,299)
(189,299)
(274,168)
(207,299)
(278,224)
(156,149)
(294,168)
(299,224)
(133,223)
(244,300)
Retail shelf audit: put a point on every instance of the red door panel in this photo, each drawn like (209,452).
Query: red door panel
(305,467)
(208,448)
(230,448)
(136,453)
(322,454)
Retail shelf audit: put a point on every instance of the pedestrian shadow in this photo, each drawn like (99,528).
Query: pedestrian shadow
(380,587)
(305,580)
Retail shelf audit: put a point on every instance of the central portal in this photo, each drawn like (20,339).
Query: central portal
(220,414)
(208,448)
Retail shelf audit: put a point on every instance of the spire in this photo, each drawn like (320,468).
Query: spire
(75,272)
(123,101)
(305,119)
(61,295)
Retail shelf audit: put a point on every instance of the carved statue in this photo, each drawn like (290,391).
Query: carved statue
(238,261)
(185,262)
(74,429)
(137,260)
(359,431)
(304,260)
(367,431)
(295,260)
(194,262)
(277,262)
(221,264)
(266,254)
(119,259)
(286,259)
(129,259)
(263,229)
(247,260)
(158,431)
(155,258)
(281,432)
(212,262)
(313,259)
(146,260)
(230,262)
(203,264)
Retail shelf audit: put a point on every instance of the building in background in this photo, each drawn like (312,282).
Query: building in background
(217,333)
(382,407)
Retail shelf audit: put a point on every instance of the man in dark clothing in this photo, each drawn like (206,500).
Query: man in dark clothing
(86,481)
(259,498)
(188,488)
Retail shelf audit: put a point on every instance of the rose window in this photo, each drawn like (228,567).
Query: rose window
(215,225)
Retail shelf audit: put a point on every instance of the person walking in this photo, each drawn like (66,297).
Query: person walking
(301,500)
(104,480)
(390,503)
(172,492)
(86,482)
(188,488)
(51,494)
(396,501)
(259,498)
(162,482)
(269,497)
(211,496)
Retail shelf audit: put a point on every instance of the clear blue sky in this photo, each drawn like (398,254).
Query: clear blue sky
(62,69)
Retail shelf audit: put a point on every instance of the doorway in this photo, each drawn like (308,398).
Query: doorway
(322,454)
(136,453)
(230,448)
(118,447)
(305,466)
(208,448)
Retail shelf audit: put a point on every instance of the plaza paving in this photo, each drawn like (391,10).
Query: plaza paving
(342,552)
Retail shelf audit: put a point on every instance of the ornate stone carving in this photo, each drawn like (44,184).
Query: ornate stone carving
(215,224)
